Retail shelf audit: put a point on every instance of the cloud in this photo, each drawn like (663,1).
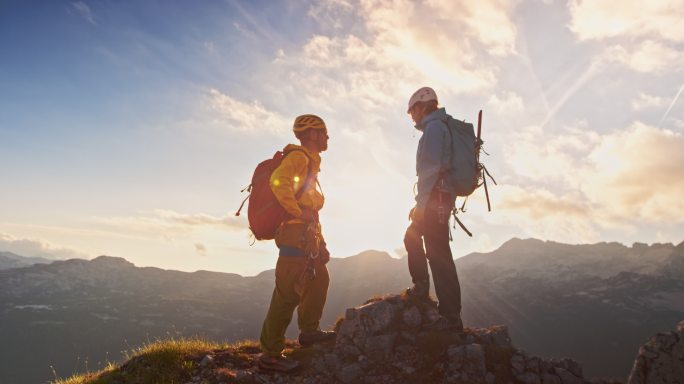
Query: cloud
(637,174)
(169,224)
(325,52)
(400,252)
(539,212)
(201,249)
(679,124)
(368,56)
(647,56)
(84,11)
(245,31)
(200,219)
(538,203)
(645,36)
(539,155)
(507,104)
(380,53)
(603,19)
(583,181)
(487,22)
(646,101)
(239,116)
(37,248)
(331,12)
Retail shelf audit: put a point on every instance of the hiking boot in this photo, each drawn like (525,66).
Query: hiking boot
(446,324)
(307,339)
(279,363)
(420,291)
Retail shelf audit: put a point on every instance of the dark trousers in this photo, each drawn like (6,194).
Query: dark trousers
(433,232)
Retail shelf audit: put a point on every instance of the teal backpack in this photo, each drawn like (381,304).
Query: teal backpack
(466,173)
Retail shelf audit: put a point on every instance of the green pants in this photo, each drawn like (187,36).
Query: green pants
(290,293)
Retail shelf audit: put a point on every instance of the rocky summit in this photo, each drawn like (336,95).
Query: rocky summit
(386,341)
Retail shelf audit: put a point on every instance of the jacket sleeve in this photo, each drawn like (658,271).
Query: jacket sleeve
(287,179)
(429,162)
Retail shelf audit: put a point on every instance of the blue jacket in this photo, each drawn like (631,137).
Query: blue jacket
(432,157)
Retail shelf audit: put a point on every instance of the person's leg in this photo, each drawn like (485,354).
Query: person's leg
(313,296)
(417,262)
(283,303)
(310,309)
(442,265)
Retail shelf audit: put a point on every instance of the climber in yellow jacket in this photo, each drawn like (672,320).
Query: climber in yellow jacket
(291,176)
(301,275)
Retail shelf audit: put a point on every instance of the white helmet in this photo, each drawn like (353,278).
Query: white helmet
(423,94)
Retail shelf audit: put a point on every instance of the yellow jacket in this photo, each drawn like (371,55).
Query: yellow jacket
(289,178)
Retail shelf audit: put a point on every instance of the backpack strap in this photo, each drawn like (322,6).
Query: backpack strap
(451,140)
(309,176)
(485,173)
(463,227)
(249,192)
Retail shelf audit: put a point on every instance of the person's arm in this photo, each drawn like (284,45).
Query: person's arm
(287,179)
(429,162)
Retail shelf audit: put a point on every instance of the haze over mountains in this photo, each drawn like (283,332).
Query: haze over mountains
(11,260)
(594,303)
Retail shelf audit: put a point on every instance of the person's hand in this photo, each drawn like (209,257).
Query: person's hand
(308,215)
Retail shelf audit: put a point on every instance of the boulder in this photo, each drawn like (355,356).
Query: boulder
(660,359)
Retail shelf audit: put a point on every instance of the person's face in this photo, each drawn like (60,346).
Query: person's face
(318,137)
(322,138)
(417,112)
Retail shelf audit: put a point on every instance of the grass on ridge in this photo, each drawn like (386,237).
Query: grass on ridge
(167,361)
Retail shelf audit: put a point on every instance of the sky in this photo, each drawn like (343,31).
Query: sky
(128,128)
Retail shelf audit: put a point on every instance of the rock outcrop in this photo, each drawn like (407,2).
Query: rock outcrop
(385,341)
(661,359)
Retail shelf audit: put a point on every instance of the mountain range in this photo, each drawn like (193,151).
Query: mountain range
(595,303)
(11,260)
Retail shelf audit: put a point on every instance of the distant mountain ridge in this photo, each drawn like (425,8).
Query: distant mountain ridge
(12,260)
(601,259)
(605,299)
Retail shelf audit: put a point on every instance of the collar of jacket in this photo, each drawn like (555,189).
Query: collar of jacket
(439,114)
(313,156)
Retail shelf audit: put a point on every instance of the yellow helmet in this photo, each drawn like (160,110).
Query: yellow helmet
(304,122)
